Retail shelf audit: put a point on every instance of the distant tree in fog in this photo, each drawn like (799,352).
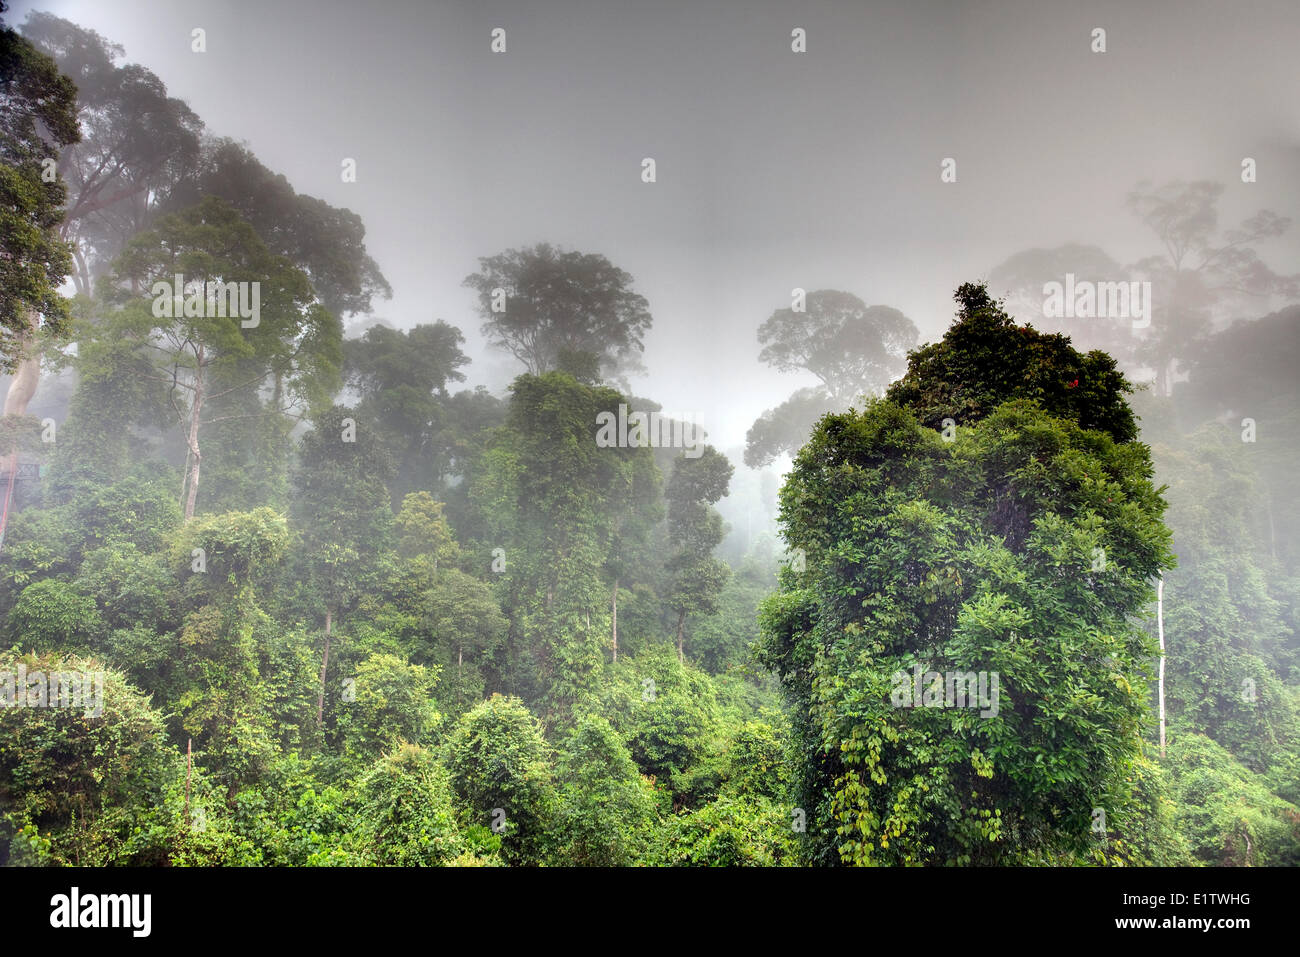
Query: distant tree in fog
(1020,280)
(853,348)
(1202,274)
(542,303)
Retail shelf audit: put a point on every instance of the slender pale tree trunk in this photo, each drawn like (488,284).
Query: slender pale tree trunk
(80,275)
(27,375)
(681,636)
(1160,629)
(613,618)
(185,476)
(324,666)
(192,440)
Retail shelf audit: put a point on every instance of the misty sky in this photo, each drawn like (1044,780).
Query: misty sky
(775,169)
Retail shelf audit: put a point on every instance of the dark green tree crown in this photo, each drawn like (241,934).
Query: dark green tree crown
(985,359)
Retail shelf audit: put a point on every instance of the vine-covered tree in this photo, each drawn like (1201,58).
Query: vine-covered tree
(695,530)
(1013,559)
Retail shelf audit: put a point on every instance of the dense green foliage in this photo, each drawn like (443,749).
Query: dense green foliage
(342,615)
(976,556)
(37,118)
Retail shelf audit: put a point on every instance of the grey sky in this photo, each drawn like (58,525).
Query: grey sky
(775,169)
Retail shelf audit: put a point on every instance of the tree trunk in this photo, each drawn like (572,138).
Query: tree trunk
(185,476)
(1160,629)
(192,440)
(681,636)
(27,375)
(81,274)
(324,666)
(613,618)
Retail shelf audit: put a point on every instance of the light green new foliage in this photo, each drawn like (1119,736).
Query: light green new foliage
(85,785)
(421,529)
(388,701)
(405,812)
(608,807)
(500,767)
(665,710)
(1226,810)
(730,832)
(461,627)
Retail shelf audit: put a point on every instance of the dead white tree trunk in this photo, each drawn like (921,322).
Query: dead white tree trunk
(195,456)
(1160,630)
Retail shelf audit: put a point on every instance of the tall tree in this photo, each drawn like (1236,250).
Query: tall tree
(1021,278)
(341,507)
(695,529)
(784,429)
(202,349)
(539,302)
(1201,272)
(401,378)
(37,119)
(986,359)
(326,243)
(634,509)
(1012,558)
(137,143)
(853,348)
(555,501)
